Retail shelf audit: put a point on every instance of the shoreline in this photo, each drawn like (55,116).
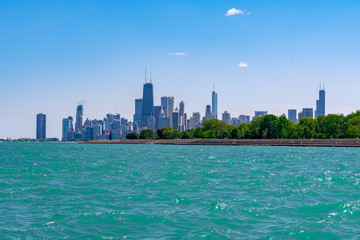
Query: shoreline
(239,142)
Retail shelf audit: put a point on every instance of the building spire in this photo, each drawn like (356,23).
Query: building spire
(145,75)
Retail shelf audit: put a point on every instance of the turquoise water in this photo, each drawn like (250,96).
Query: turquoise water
(69,190)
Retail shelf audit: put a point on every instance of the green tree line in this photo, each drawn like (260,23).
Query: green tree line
(266,127)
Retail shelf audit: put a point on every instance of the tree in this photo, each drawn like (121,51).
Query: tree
(234,133)
(306,127)
(269,126)
(188,134)
(147,134)
(333,126)
(132,135)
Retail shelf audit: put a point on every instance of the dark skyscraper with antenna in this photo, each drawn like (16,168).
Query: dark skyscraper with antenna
(320,104)
(148,103)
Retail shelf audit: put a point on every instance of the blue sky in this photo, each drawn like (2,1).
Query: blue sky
(56,53)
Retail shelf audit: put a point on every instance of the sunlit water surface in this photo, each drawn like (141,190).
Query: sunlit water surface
(69,190)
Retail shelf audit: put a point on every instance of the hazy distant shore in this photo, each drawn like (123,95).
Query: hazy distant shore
(241,142)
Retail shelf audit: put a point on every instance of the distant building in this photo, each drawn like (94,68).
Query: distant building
(96,131)
(292,115)
(235,121)
(164,122)
(164,104)
(170,108)
(138,110)
(110,118)
(148,104)
(116,134)
(67,126)
(320,104)
(226,117)
(151,123)
(194,120)
(244,119)
(306,112)
(116,124)
(157,115)
(214,101)
(182,119)
(40,126)
(175,120)
(79,118)
(208,112)
(260,113)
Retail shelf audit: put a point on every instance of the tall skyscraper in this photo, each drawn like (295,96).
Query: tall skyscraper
(40,126)
(79,118)
(170,108)
(182,114)
(214,98)
(164,104)
(320,104)
(148,104)
(292,115)
(175,120)
(138,111)
(67,126)
(208,112)
(157,115)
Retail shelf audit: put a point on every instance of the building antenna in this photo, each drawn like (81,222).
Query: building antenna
(324,85)
(145,75)
(213,87)
(150,77)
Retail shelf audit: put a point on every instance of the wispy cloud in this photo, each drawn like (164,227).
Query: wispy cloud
(243,65)
(234,11)
(177,54)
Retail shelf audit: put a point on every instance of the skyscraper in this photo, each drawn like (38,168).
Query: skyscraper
(175,120)
(208,112)
(170,108)
(138,110)
(67,126)
(214,104)
(157,115)
(79,118)
(292,115)
(306,112)
(182,114)
(164,104)
(148,104)
(320,104)
(40,126)
(226,117)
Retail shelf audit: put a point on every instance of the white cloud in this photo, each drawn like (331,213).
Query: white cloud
(177,54)
(243,65)
(234,11)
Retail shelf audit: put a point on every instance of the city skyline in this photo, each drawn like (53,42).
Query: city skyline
(268,56)
(168,114)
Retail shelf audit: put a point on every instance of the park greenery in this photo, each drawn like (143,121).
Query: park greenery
(266,127)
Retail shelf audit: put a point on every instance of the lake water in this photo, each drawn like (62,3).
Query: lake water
(69,190)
